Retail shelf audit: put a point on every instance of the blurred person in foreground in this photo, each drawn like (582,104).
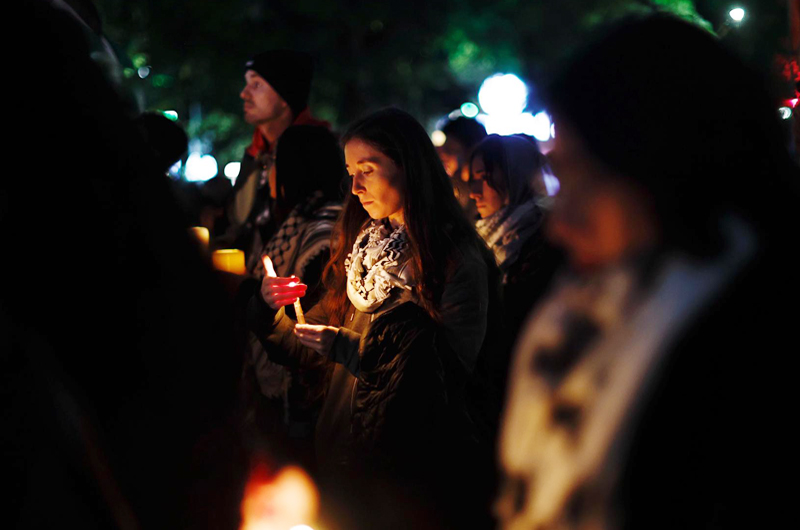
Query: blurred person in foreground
(461,136)
(650,389)
(118,356)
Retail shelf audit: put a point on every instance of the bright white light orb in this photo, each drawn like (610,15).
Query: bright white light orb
(506,124)
(469,110)
(785,113)
(737,14)
(200,168)
(438,138)
(503,94)
(143,72)
(232,170)
(541,127)
(171,114)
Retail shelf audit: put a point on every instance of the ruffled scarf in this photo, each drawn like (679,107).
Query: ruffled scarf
(374,265)
(508,229)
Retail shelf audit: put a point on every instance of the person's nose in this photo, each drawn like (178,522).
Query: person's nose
(244,94)
(357,188)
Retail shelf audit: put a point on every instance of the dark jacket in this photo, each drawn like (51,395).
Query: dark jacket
(527,279)
(467,306)
(399,409)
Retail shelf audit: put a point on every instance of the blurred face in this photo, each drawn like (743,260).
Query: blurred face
(377,181)
(451,153)
(261,103)
(487,199)
(598,216)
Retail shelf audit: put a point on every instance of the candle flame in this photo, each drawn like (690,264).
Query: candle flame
(288,499)
(268,267)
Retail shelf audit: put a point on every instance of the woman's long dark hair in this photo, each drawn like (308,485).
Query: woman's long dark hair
(435,223)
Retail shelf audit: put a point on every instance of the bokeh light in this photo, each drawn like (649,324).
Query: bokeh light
(231,170)
(503,94)
(737,14)
(469,109)
(200,168)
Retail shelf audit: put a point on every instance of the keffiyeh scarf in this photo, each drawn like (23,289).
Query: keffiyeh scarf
(301,237)
(374,264)
(507,230)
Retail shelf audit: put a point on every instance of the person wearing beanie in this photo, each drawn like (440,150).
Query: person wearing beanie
(275,96)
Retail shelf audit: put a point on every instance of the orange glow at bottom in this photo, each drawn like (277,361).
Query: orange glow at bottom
(279,502)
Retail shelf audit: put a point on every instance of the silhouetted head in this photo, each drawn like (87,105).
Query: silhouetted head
(658,112)
(307,159)
(461,136)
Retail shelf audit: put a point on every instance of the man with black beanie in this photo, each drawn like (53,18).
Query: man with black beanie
(275,95)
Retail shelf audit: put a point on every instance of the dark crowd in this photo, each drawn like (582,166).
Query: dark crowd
(438,339)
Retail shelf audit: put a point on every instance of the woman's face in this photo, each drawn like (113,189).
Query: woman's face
(377,181)
(487,199)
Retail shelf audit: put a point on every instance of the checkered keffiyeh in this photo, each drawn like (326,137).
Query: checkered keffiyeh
(590,356)
(376,252)
(304,234)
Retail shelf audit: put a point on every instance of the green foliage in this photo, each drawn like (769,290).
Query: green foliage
(427,56)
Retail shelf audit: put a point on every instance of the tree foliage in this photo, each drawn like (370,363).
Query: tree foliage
(426,56)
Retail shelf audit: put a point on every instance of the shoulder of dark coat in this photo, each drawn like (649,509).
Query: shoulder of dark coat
(393,334)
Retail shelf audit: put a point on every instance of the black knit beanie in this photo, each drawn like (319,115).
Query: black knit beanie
(288,72)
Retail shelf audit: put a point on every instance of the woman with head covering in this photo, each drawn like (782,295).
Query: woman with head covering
(649,389)
(502,172)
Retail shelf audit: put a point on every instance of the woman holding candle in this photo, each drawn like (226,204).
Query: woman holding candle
(411,298)
(306,189)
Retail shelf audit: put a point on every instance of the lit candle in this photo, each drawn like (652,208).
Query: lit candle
(229,259)
(201,235)
(298,309)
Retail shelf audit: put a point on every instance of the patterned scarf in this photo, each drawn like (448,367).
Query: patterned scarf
(507,230)
(373,266)
(303,235)
(592,353)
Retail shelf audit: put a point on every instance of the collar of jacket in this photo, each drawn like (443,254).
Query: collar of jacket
(260,144)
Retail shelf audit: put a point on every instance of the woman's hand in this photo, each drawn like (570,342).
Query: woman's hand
(318,338)
(278,292)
